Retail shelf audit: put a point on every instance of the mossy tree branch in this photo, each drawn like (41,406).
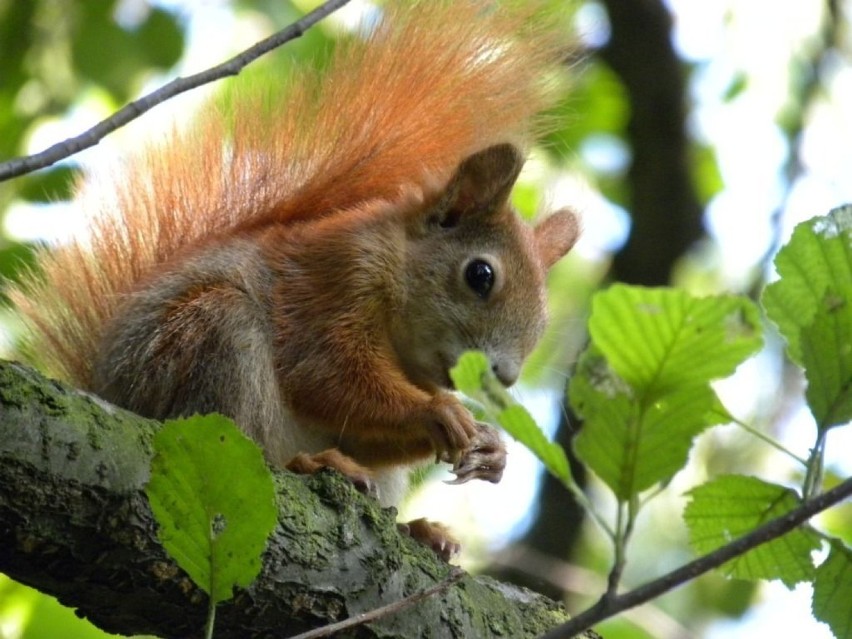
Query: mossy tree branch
(75,523)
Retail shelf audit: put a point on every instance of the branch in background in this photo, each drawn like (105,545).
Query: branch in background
(665,211)
(75,523)
(609,607)
(67,148)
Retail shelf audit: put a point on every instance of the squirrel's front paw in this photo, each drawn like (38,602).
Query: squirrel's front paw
(484,459)
(451,427)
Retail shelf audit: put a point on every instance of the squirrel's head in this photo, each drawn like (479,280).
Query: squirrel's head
(475,273)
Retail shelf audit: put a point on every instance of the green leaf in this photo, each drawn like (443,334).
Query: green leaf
(660,339)
(732,505)
(643,386)
(826,345)
(161,39)
(214,499)
(632,446)
(517,421)
(470,372)
(818,258)
(705,167)
(738,84)
(833,591)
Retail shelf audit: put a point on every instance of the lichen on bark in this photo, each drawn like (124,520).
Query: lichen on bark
(74,522)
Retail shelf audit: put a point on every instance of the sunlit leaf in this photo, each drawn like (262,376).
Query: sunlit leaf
(739,83)
(214,499)
(832,599)
(826,345)
(517,421)
(662,339)
(817,259)
(732,505)
(469,373)
(643,388)
(632,446)
(708,177)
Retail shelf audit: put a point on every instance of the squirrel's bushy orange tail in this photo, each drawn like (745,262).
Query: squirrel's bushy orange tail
(435,81)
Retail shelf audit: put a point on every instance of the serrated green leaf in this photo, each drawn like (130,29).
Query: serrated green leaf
(732,505)
(826,345)
(643,386)
(632,446)
(213,496)
(832,599)
(662,339)
(469,372)
(517,421)
(817,257)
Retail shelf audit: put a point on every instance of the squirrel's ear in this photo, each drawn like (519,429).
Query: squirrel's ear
(555,235)
(484,180)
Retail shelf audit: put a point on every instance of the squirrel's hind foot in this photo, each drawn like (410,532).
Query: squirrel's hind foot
(433,535)
(360,476)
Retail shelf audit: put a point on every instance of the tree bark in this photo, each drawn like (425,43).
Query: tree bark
(75,523)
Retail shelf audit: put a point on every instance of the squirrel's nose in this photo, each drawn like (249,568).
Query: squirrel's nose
(506,372)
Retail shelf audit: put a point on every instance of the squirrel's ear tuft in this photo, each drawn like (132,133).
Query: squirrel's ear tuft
(484,180)
(555,235)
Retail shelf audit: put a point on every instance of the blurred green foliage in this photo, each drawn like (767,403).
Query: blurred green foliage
(54,53)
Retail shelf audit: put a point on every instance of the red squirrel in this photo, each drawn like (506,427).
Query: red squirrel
(311,259)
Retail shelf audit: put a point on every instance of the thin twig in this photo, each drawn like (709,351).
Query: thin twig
(609,607)
(384,611)
(60,151)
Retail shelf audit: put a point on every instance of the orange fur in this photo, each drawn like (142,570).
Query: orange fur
(435,82)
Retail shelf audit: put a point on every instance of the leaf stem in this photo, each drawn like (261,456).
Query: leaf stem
(813,477)
(211,618)
(627,514)
(589,507)
(751,430)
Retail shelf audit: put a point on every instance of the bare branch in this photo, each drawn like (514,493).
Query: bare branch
(378,613)
(60,151)
(608,607)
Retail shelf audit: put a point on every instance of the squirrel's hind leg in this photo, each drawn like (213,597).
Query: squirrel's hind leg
(360,476)
(433,535)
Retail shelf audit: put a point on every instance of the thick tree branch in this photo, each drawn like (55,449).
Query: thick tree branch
(61,150)
(75,523)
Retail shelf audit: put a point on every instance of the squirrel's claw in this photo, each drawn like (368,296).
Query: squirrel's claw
(485,459)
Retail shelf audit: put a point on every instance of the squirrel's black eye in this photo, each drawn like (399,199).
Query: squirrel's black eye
(479,276)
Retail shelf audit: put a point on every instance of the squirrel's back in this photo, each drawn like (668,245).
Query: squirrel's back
(434,82)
